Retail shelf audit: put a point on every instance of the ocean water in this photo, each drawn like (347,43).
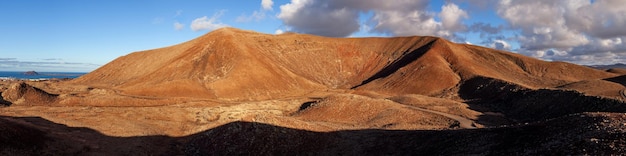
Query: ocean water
(10,75)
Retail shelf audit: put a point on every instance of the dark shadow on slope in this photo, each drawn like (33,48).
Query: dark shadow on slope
(19,138)
(525,105)
(561,136)
(38,136)
(564,135)
(307,105)
(4,102)
(37,95)
(618,79)
(398,63)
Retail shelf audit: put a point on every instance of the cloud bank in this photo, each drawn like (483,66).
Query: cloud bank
(570,30)
(48,64)
(580,31)
(397,17)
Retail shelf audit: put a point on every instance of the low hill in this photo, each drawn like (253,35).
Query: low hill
(22,93)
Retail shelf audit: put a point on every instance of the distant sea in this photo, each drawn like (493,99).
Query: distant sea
(12,75)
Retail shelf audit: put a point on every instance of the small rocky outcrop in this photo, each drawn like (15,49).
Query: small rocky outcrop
(22,93)
(31,73)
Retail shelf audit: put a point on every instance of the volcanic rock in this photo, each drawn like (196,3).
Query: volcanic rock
(22,93)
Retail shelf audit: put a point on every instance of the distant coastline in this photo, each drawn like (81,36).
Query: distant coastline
(40,76)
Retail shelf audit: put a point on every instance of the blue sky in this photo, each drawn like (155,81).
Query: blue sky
(70,35)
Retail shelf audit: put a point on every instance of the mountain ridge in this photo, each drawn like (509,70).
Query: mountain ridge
(224,62)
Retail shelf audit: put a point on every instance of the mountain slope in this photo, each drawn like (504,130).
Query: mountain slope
(235,64)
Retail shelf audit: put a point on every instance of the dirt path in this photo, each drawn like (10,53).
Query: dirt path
(464,123)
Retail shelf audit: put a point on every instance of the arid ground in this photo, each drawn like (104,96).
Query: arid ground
(234,92)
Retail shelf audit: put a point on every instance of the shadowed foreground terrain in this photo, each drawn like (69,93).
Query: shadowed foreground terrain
(584,133)
(233,92)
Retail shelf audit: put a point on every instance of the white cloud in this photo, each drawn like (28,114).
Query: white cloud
(279,31)
(451,16)
(500,45)
(565,30)
(395,17)
(267,4)
(610,43)
(602,19)
(289,10)
(575,30)
(407,23)
(542,24)
(178,26)
(205,23)
(320,17)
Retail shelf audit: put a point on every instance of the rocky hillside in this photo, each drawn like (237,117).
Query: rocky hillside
(242,65)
